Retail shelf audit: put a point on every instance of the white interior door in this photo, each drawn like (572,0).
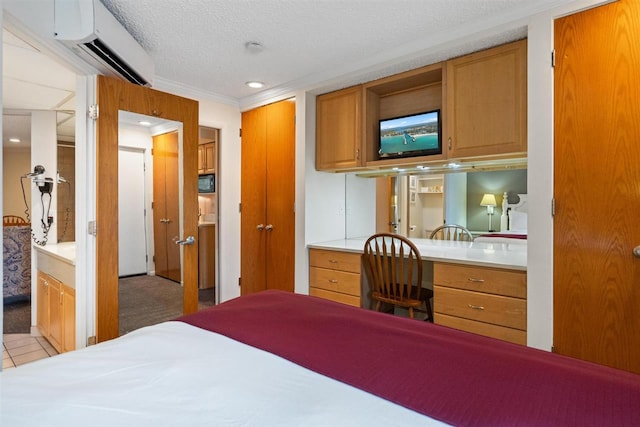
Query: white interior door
(132,241)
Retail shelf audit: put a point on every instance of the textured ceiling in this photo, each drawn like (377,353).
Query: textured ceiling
(311,43)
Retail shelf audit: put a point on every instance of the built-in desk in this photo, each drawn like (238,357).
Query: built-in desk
(478,287)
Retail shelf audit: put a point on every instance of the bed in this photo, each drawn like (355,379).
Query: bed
(16,260)
(513,222)
(279,359)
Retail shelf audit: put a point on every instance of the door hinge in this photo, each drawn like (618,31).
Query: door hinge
(240,132)
(240,281)
(94,112)
(553,207)
(553,58)
(93,228)
(240,207)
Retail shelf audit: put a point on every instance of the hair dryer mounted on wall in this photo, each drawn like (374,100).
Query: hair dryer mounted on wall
(45,185)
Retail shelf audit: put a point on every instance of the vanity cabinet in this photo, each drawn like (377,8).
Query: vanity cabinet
(339,130)
(335,275)
(56,312)
(487,102)
(483,300)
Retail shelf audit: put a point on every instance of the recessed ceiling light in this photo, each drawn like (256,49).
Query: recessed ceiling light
(144,123)
(254,47)
(255,85)
(14,140)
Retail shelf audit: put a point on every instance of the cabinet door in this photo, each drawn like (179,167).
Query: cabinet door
(202,161)
(209,157)
(486,102)
(69,318)
(43,304)
(55,313)
(339,129)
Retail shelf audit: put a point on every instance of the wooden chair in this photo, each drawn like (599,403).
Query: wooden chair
(452,232)
(13,220)
(394,269)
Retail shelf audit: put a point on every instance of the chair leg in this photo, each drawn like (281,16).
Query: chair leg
(429,318)
(378,304)
(410,312)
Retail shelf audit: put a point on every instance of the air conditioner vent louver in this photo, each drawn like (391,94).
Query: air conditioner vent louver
(115,62)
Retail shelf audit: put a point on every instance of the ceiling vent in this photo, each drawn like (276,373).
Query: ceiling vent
(94,34)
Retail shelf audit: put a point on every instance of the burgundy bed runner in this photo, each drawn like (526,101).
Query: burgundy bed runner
(456,377)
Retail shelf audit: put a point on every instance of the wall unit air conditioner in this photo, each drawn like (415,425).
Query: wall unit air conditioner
(94,34)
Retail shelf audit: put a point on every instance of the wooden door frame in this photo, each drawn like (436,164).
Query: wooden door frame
(113,95)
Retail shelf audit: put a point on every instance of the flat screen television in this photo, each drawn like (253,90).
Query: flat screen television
(411,136)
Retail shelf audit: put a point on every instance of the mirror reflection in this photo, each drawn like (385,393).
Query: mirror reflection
(414,205)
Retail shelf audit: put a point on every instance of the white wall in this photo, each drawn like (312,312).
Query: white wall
(227,119)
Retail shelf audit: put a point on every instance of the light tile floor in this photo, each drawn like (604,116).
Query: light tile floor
(19,349)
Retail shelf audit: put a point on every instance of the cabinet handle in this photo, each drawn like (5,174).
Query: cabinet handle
(450,144)
(333,261)
(476,307)
(269,227)
(357,154)
(333,281)
(636,252)
(475,280)
(260,227)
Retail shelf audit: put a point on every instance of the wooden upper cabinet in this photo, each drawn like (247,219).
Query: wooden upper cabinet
(487,102)
(207,158)
(339,130)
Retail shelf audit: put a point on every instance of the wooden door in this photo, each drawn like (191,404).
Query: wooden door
(597,185)
(254,202)
(280,186)
(268,198)
(112,96)
(166,209)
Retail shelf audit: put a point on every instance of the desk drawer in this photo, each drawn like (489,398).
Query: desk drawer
(487,308)
(344,261)
(511,283)
(515,336)
(335,296)
(333,280)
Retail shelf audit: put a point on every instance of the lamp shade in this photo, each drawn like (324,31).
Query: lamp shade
(488,200)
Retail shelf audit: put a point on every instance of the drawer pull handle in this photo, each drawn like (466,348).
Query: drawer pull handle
(333,281)
(333,261)
(476,307)
(475,280)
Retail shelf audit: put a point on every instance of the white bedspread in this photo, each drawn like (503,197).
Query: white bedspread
(175,374)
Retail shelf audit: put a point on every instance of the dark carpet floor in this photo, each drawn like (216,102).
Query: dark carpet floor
(17,317)
(144,300)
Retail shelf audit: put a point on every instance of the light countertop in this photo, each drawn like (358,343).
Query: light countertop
(65,252)
(501,255)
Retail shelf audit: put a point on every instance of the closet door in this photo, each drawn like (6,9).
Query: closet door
(166,209)
(280,200)
(268,198)
(597,183)
(254,203)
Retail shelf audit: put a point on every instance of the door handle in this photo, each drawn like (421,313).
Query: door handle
(636,252)
(190,240)
(269,227)
(260,227)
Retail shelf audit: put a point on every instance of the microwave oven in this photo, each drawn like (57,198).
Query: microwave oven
(207,183)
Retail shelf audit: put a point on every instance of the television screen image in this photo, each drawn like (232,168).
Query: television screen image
(408,136)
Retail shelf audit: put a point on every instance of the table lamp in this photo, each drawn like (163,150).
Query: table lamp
(489,200)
